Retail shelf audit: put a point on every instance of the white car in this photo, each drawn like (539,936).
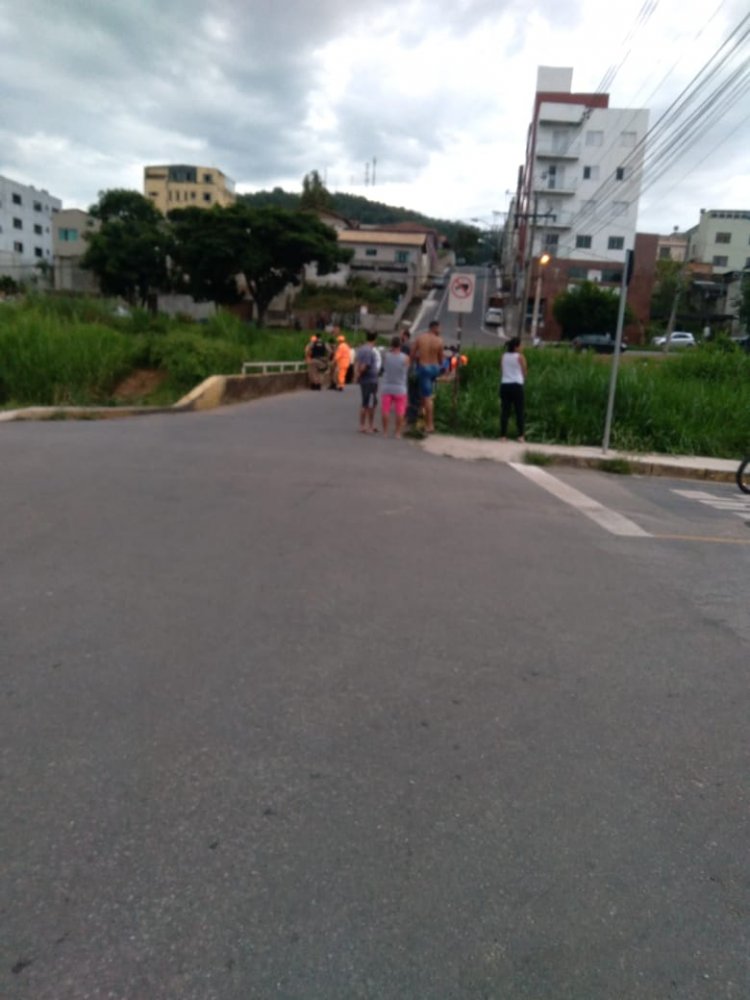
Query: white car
(680,338)
(493,317)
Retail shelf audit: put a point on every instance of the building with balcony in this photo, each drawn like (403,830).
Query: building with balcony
(722,239)
(181,186)
(26,215)
(390,257)
(579,187)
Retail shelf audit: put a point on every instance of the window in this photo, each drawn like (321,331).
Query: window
(16,199)
(192,195)
(402,256)
(371,252)
(551,241)
(18,247)
(627,138)
(612,276)
(583,242)
(615,243)
(17,224)
(665,253)
(38,252)
(619,208)
(720,261)
(591,173)
(621,173)
(208,178)
(594,138)
(578,273)
(37,206)
(723,237)
(207,197)
(38,230)
(153,194)
(68,235)
(747,264)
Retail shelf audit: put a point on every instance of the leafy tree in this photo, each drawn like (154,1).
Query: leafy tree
(743,302)
(129,253)
(666,280)
(588,309)
(315,195)
(270,246)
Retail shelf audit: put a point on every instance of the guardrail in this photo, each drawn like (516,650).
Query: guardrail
(272,367)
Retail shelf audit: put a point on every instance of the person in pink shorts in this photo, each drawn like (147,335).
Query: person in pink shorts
(393,388)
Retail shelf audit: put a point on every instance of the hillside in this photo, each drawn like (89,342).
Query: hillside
(363,210)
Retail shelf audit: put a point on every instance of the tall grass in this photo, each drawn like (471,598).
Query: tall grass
(46,361)
(694,403)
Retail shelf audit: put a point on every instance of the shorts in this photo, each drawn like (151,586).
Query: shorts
(398,401)
(426,375)
(369,392)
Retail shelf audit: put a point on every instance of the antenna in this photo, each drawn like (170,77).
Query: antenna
(374,164)
(367,173)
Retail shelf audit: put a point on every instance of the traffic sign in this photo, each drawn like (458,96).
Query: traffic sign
(461,293)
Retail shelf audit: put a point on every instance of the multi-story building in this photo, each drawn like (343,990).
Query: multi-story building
(579,187)
(26,215)
(69,229)
(673,247)
(722,239)
(181,186)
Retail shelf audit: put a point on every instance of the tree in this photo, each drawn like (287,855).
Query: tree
(315,195)
(743,302)
(129,253)
(269,246)
(587,308)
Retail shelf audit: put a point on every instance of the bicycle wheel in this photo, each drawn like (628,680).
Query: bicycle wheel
(743,475)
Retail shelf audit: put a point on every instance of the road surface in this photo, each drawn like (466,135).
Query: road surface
(292,712)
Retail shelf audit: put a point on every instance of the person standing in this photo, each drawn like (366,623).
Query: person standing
(316,357)
(428,352)
(393,386)
(366,368)
(512,380)
(341,360)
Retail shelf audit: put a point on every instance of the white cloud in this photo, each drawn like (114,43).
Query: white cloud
(440,91)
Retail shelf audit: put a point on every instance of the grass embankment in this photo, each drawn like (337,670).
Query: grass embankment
(77,351)
(694,403)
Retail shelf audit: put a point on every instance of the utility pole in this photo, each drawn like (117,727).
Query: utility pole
(529,250)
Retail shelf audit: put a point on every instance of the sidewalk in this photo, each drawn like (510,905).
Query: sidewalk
(681,466)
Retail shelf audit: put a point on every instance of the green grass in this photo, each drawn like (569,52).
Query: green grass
(692,403)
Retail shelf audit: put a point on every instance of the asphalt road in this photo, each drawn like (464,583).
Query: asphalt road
(291,712)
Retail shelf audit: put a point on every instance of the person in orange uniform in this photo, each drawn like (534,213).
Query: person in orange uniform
(341,360)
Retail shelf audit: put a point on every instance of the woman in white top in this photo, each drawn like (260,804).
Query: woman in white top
(513,367)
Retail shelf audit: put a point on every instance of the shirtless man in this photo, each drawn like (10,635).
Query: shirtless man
(428,354)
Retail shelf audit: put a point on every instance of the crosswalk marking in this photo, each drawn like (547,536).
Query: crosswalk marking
(740,506)
(608,519)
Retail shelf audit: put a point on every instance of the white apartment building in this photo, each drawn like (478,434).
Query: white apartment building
(25,228)
(721,238)
(582,175)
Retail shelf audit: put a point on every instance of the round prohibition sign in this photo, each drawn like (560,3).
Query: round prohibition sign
(462,287)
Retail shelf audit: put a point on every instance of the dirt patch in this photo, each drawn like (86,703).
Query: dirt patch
(139,384)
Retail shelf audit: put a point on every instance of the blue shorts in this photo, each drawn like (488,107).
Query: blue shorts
(426,375)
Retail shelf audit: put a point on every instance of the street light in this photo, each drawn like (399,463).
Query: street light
(541,263)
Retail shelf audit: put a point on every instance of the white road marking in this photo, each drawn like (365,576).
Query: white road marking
(733,505)
(608,519)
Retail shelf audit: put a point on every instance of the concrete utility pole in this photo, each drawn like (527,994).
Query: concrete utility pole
(529,250)
(626,273)
(541,264)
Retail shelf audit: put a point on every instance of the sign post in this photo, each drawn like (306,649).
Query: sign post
(460,300)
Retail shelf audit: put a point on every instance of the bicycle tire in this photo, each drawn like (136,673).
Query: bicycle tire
(743,475)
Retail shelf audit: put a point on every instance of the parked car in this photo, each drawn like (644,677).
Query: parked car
(601,343)
(743,342)
(493,317)
(680,338)
(439,282)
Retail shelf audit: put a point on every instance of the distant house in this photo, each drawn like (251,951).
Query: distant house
(673,247)
(69,229)
(333,219)
(722,239)
(389,257)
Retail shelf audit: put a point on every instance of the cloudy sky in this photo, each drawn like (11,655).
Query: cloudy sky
(438,91)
